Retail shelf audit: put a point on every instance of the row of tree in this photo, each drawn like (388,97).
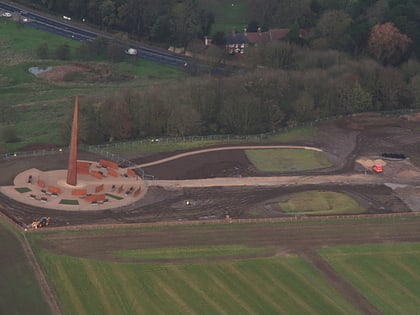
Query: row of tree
(333,24)
(338,24)
(255,102)
(171,22)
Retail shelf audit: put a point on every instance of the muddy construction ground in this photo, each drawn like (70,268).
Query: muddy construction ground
(348,143)
(351,144)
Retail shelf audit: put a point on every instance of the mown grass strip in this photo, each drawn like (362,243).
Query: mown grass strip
(189,252)
(286,160)
(321,203)
(114,196)
(69,202)
(387,274)
(281,285)
(23,190)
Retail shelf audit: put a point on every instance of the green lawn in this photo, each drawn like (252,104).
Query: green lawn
(388,275)
(69,202)
(254,286)
(19,290)
(190,252)
(284,160)
(227,16)
(23,189)
(321,203)
(114,196)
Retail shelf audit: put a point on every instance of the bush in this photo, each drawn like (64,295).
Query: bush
(9,134)
(42,51)
(63,52)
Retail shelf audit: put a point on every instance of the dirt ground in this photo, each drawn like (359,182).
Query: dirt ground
(346,142)
(343,141)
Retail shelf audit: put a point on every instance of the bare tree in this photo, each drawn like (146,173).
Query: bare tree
(387,44)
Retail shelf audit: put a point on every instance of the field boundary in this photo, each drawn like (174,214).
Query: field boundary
(346,290)
(34,265)
(39,275)
(293,219)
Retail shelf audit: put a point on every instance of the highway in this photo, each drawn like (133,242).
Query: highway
(70,30)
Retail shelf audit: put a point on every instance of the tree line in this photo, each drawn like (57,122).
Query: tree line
(254,102)
(164,21)
(326,73)
(338,24)
(332,24)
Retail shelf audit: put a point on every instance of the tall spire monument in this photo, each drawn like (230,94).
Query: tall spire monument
(72,166)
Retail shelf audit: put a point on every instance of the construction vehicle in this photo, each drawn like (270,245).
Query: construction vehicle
(44,221)
(377,168)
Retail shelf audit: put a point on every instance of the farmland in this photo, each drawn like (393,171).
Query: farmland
(36,108)
(226,269)
(388,275)
(19,293)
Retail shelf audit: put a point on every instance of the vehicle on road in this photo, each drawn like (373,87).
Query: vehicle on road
(131,52)
(7,14)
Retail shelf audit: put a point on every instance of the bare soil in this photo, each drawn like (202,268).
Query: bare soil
(345,140)
(83,72)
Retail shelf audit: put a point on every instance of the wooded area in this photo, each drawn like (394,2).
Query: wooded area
(254,102)
(358,55)
(344,25)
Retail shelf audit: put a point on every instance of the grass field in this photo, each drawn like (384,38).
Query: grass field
(35,108)
(388,275)
(284,160)
(228,14)
(19,290)
(253,286)
(190,252)
(321,203)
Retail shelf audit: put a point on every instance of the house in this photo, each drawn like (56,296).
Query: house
(235,43)
(265,37)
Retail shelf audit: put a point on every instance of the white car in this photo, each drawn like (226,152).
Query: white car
(7,14)
(131,51)
(67,18)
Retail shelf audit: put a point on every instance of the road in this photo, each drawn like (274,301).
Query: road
(80,33)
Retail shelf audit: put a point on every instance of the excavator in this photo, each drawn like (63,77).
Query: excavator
(44,221)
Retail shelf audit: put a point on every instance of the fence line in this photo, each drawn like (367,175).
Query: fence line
(102,148)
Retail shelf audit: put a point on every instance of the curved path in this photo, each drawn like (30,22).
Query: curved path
(254,147)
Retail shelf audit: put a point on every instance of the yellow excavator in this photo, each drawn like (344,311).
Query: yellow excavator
(44,221)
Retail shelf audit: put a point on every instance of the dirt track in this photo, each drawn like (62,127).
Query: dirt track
(343,141)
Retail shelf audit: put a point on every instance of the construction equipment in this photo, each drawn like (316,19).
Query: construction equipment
(377,168)
(44,221)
